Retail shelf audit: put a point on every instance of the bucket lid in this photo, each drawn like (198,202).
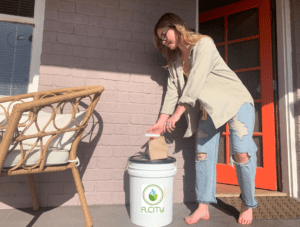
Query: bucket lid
(146,160)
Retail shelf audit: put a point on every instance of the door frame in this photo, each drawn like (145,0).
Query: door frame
(286,104)
(289,176)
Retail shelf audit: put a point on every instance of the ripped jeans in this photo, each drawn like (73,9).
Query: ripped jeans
(207,143)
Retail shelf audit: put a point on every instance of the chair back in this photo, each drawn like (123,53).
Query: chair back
(44,121)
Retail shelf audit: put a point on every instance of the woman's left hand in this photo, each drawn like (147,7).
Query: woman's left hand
(170,123)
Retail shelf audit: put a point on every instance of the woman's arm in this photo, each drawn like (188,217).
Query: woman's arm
(165,123)
(170,123)
(179,111)
(163,118)
(170,101)
(171,97)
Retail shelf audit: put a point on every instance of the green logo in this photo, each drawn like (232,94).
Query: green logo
(153,194)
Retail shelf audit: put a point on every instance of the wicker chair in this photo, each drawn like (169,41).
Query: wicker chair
(26,146)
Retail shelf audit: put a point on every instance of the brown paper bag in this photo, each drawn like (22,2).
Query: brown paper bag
(158,148)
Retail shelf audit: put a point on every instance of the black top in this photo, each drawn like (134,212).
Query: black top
(146,160)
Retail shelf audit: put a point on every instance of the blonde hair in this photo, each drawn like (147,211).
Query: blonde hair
(187,36)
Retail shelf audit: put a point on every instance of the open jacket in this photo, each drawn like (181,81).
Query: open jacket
(211,82)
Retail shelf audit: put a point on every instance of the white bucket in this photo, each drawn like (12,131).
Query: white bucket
(151,190)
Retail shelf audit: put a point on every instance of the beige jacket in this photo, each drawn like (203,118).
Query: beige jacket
(211,82)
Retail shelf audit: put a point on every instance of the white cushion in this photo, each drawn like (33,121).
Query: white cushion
(3,123)
(54,156)
(65,139)
(24,118)
(6,104)
(58,150)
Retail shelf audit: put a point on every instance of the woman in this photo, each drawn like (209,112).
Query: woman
(199,78)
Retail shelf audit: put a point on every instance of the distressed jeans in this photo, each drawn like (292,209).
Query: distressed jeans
(207,142)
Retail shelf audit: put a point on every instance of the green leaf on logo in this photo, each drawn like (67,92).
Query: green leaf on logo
(151,197)
(155,197)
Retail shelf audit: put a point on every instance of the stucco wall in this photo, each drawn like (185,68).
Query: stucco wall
(295,32)
(107,42)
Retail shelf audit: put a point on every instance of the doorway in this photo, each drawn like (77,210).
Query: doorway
(242,33)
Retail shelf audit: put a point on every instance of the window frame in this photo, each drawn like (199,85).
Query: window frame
(36,51)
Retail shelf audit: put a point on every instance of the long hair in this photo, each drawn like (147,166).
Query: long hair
(187,36)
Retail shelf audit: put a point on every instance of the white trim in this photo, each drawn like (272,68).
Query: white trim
(37,40)
(286,99)
(12,18)
(197,16)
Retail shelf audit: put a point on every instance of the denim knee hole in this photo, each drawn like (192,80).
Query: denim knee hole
(201,157)
(240,163)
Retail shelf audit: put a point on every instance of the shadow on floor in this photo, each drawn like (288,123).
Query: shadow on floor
(36,214)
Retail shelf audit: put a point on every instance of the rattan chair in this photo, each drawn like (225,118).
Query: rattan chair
(20,144)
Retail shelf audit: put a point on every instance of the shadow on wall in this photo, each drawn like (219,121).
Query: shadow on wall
(89,54)
(57,188)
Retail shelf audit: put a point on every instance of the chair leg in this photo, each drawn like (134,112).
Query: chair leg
(34,199)
(85,209)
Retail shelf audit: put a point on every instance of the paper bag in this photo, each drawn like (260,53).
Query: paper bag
(158,148)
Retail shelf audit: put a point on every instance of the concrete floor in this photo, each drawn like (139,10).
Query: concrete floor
(118,216)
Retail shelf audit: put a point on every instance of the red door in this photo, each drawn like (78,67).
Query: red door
(242,33)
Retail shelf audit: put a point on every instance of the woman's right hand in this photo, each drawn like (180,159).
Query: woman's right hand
(157,128)
(160,125)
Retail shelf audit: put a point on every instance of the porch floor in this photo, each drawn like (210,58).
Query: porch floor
(225,190)
(119,215)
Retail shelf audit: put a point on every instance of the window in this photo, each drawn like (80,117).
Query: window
(21,31)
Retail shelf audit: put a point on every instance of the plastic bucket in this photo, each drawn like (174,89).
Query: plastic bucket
(151,190)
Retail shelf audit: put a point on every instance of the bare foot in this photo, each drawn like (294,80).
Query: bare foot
(201,213)
(246,215)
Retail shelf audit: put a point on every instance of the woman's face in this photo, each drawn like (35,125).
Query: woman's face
(171,37)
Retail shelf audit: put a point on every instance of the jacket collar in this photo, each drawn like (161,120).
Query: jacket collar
(177,63)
